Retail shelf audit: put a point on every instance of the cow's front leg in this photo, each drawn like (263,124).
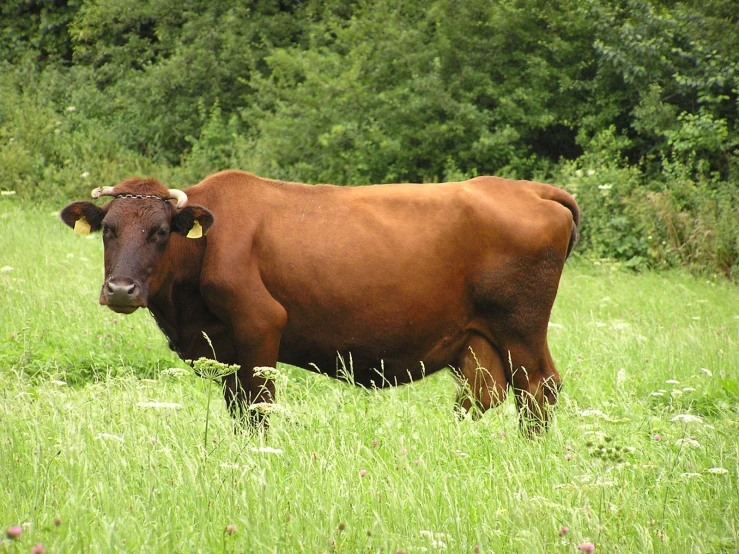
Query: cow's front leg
(245,392)
(256,321)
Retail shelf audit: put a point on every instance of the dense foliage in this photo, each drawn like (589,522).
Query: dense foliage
(631,105)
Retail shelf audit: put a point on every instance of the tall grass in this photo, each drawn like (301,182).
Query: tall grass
(116,454)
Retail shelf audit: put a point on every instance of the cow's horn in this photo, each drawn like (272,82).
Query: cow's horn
(103,191)
(178,195)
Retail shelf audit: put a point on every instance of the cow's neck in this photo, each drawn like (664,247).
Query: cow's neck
(183,262)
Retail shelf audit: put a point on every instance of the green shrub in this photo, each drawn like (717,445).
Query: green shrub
(681,218)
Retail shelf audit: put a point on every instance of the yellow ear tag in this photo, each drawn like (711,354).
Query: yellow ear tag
(196,232)
(81,226)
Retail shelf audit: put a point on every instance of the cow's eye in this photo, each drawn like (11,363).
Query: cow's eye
(162,232)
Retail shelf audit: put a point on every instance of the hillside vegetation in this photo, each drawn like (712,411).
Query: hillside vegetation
(631,105)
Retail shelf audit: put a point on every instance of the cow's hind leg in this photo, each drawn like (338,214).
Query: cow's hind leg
(536,384)
(482,377)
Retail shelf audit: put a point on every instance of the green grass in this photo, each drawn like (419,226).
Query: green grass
(124,476)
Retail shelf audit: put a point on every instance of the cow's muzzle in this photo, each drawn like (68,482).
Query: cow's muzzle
(122,295)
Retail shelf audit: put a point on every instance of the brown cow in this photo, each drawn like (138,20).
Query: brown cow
(404,280)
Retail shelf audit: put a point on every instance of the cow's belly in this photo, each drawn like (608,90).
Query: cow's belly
(376,358)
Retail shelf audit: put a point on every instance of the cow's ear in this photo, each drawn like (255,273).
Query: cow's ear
(192,221)
(83,217)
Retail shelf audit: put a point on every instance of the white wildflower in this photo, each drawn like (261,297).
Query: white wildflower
(621,377)
(600,481)
(620,325)
(556,325)
(71,108)
(688,389)
(706,371)
(109,436)
(676,393)
(672,382)
(159,405)
(578,172)
(211,369)
(689,475)
(175,371)
(85,174)
(461,454)
(437,540)
(605,187)
(6,268)
(717,470)
(590,172)
(688,442)
(687,418)
(57,382)
(268,408)
(7,193)
(266,450)
(594,413)
(267,372)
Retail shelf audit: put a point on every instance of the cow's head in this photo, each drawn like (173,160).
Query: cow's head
(136,225)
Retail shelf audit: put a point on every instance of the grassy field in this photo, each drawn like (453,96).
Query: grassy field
(103,446)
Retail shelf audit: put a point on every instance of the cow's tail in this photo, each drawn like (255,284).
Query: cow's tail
(568,201)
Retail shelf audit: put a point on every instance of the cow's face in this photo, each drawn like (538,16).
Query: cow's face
(136,233)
